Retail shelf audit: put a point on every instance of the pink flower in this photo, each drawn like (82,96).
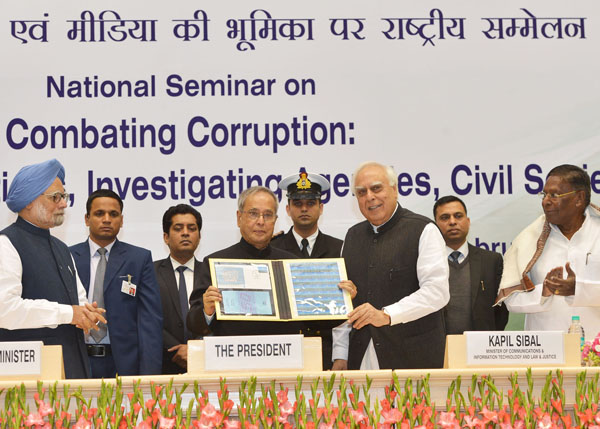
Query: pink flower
(557,405)
(83,423)
(489,416)
(232,424)
(282,395)
(448,421)
(385,404)
(227,405)
(209,412)
(545,423)
(473,422)
(144,425)
(358,415)
(166,423)
(150,404)
(45,409)
(34,419)
(286,408)
(519,424)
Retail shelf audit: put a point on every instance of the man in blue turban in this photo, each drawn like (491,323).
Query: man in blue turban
(41,297)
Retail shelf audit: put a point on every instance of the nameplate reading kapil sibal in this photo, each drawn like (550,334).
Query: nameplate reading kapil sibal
(515,347)
(280,290)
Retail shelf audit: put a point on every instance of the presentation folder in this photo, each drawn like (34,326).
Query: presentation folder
(280,290)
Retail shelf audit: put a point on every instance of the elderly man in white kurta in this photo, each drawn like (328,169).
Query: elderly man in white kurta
(552,270)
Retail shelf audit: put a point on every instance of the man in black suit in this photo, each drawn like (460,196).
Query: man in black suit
(304,207)
(474,274)
(177,276)
(305,240)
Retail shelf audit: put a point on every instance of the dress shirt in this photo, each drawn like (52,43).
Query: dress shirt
(311,240)
(464,252)
(554,312)
(19,313)
(433,294)
(187,274)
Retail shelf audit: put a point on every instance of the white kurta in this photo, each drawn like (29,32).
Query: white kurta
(554,312)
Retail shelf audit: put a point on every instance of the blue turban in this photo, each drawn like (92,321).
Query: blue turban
(31,181)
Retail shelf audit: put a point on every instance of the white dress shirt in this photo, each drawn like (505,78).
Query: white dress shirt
(555,312)
(311,240)
(464,252)
(19,313)
(187,274)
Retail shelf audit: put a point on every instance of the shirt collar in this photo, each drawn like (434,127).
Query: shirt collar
(189,264)
(311,239)
(94,247)
(464,249)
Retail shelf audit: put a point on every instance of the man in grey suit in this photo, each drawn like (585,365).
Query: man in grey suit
(474,273)
(177,275)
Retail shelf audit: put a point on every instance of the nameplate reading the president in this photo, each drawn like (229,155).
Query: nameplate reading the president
(515,347)
(21,358)
(264,352)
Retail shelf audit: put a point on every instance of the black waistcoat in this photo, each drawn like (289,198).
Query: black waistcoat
(383,266)
(48,273)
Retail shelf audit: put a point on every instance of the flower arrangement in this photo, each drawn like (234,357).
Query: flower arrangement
(590,354)
(350,406)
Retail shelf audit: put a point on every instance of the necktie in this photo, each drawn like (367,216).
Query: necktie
(183,298)
(305,248)
(454,256)
(99,294)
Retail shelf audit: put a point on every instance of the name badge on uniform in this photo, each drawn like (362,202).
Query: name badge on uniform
(128,287)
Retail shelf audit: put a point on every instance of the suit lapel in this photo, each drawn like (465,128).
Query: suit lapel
(197,279)
(82,254)
(115,261)
(165,270)
(475,272)
(318,250)
(291,245)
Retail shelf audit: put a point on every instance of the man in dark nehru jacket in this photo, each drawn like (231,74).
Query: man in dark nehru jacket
(177,274)
(305,240)
(474,273)
(397,260)
(41,298)
(256,216)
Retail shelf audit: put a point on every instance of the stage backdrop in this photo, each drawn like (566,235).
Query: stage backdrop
(192,102)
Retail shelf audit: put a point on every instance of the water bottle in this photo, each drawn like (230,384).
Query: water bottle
(576,328)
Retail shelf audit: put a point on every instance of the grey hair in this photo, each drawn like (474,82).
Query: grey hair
(389,172)
(253,190)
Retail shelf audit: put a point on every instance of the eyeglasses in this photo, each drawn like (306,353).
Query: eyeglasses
(255,215)
(57,196)
(554,196)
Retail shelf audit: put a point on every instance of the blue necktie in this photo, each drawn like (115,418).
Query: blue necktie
(454,256)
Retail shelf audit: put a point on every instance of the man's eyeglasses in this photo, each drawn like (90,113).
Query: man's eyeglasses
(57,196)
(255,215)
(554,196)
